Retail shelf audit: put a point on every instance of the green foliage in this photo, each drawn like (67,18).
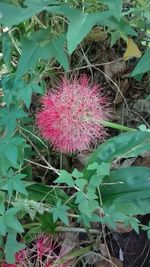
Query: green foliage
(12,246)
(38,47)
(60,212)
(143,65)
(37,39)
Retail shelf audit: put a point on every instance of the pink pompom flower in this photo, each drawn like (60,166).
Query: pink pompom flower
(71,115)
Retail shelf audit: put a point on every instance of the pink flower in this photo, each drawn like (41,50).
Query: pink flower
(8,265)
(70,117)
(43,252)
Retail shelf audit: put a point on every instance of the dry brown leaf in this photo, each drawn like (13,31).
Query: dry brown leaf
(122,228)
(104,250)
(145,162)
(114,68)
(105,263)
(132,50)
(97,35)
(69,243)
(124,85)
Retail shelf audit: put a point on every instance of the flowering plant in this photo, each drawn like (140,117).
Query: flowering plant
(71,116)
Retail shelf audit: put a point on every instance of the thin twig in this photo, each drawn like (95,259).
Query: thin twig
(40,155)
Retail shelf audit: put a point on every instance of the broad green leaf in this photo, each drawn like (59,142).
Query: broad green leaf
(125,145)
(128,189)
(123,27)
(40,192)
(47,224)
(41,46)
(115,7)
(81,24)
(143,64)
(13,15)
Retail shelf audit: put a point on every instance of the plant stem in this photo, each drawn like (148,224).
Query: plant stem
(76,230)
(117,126)
(77,253)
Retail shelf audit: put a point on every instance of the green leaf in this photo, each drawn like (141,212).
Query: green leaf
(41,46)
(9,117)
(102,169)
(13,15)
(115,7)
(123,27)
(11,247)
(47,224)
(143,64)
(81,24)
(134,222)
(12,182)
(148,233)
(26,92)
(93,166)
(87,207)
(115,35)
(128,189)
(3,227)
(11,221)
(80,196)
(6,49)
(81,183)
(96,180)
(40,192)
(125,145)
(76,174)
(9,147)
(60,212)
(65,177)
(91,195)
